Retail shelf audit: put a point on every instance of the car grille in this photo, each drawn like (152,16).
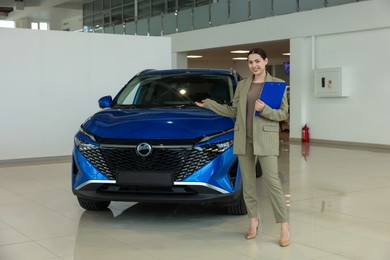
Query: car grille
(182,161)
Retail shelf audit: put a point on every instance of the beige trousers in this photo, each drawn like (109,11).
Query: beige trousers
(269,165)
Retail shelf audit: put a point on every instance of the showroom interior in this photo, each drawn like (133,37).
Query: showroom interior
(60,56)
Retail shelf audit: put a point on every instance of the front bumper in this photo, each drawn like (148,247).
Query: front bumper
(180,192)
(199,174)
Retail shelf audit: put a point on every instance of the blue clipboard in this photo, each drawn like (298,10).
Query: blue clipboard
(272,94)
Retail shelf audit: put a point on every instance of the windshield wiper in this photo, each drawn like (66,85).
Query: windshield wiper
(178,105)
(188,105)
(125,106)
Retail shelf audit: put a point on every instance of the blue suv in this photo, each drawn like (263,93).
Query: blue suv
(151,143)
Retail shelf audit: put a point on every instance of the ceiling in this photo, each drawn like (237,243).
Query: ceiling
(274,49)
(44,10)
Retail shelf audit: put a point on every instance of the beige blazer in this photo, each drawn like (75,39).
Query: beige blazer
(265,126)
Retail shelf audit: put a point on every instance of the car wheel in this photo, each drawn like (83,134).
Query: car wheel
(238,208)
(259,171)
(93,205)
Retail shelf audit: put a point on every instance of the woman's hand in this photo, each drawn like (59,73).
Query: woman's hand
(259,105)
(200,104)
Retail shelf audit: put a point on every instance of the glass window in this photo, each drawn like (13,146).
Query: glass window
(129,12)
(106,4)
(34,26)
(116,15)
(106,19)
(40,26)
(158,7)
(87,9)
(43,26)
(7,24)
(143,9)
(88,22)
(97,6)
(116,3)
(97,20)
(171,6)
(185,4)
(201,2)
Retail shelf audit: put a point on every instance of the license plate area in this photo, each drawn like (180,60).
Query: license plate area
(145,178)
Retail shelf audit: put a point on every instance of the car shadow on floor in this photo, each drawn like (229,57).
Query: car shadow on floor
(139,214)
(142,223)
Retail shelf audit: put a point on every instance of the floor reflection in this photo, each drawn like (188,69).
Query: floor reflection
(339,209)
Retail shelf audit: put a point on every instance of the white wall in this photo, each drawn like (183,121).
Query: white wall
(51,81)
(358,42)
(363,116)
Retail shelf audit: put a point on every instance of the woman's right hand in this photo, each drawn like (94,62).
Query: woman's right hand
(200,104)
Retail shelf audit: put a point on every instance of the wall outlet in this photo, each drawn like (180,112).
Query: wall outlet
(328,83)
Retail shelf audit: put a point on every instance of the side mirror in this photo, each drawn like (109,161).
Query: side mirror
(105,102)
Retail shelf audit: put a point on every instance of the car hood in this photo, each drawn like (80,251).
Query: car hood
(157,123)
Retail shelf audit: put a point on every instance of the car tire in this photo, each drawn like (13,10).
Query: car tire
(93,205)
(238,208)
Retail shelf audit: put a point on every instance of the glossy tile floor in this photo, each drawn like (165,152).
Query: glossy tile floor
(339,209)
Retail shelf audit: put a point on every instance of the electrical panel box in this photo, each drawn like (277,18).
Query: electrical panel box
(328,83)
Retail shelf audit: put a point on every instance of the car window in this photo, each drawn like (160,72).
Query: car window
(177,89)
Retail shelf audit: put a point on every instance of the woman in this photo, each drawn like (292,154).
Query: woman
(257,137)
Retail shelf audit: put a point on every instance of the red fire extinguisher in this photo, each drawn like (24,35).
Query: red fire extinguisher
(305,134)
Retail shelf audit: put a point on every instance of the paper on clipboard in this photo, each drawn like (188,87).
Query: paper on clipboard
(272,94)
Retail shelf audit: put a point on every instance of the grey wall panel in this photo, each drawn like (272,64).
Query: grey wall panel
(311,4)
(239,11)
(220,13)
(118,29)
(108,29)
(184,22)
(201,17)
(261,8)
(285,6)
(130,28)
(169,23)
(142,27)
(155,24)
(340,2)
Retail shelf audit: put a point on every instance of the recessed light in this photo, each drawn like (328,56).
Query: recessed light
(239,51)
(194,56)
(240,58)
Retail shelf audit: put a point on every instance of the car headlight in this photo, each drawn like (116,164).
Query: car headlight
(82,145)
(85,141)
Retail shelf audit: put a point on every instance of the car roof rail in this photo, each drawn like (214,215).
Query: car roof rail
(144,71)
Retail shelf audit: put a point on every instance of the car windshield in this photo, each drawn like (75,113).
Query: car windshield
(175,90)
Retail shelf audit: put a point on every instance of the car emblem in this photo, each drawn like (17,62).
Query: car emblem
(143,149)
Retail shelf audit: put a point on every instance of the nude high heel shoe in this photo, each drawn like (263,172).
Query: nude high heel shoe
(286,242)
(251,234)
